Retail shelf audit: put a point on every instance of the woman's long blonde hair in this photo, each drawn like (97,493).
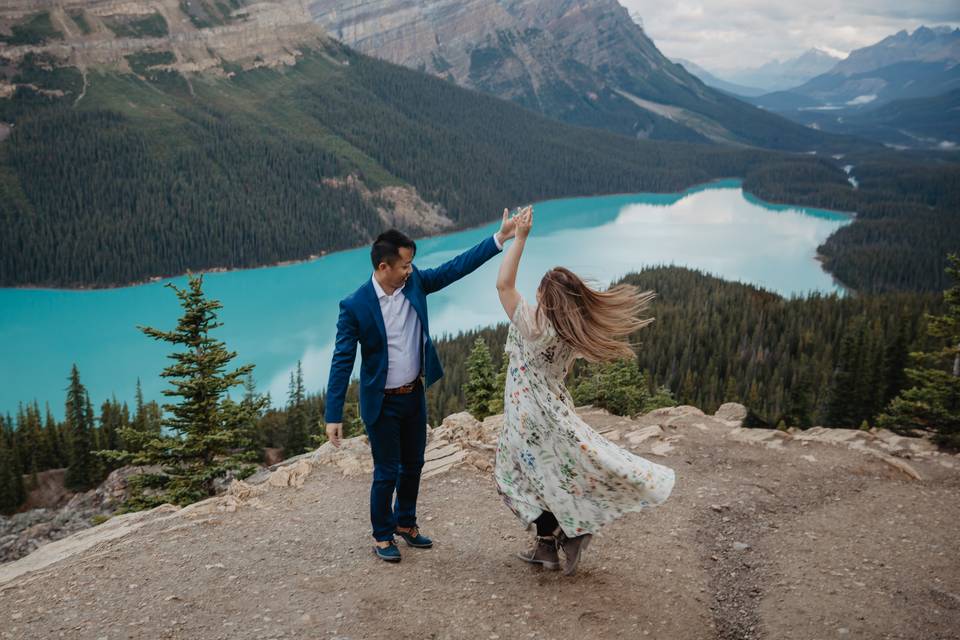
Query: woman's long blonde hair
(595,323)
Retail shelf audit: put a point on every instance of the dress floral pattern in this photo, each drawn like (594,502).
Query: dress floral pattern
(548,458)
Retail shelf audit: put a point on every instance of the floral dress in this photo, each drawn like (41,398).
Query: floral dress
(548,458)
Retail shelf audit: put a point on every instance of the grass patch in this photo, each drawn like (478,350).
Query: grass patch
(36,30)
(152,26)
(80,19)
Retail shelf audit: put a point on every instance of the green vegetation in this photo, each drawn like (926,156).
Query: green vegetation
(932,403)
(145,178)
(153,175)
(481,389)
(151,26)
(37,29)
(821,359)
(205,14)
(211,433)
(79,18)
(837,361)
(620,388)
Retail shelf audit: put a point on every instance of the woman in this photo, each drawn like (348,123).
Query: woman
(553,469)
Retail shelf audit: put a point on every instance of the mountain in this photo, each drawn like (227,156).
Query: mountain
(926,123)
(713,81)
(151,139)
(904,66)
(585,62)
(777,75)
(925,44)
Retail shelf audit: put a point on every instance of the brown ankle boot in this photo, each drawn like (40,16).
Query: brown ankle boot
(544,552)
(573,548)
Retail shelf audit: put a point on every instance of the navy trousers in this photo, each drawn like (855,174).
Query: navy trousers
(397,441)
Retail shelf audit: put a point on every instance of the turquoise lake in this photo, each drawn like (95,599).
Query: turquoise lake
(274,316)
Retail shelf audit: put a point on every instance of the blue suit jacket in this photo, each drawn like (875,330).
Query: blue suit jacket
(361,321)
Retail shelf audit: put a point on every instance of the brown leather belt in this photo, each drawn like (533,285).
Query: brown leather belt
(407,388)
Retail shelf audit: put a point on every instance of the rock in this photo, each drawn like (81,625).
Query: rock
(770,438)
(740,546)
(642,435)
(683,410)
(731,411)
(661,448)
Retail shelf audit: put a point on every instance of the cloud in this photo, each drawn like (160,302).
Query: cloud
(732,34)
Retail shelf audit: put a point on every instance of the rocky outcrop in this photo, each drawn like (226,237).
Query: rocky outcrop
(22,533)
(260,33)
(459,442)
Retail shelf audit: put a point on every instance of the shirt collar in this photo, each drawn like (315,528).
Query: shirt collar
(379,290)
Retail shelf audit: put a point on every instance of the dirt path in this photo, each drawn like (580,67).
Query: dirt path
(754,543)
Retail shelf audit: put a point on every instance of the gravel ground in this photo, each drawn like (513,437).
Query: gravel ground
(753,543)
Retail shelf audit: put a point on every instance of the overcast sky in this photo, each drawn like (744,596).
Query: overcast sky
(727,34)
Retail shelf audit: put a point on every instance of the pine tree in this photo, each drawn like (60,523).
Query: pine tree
(500,385)
(208,438)
(12,490)
(481,387)
(81,473)
(844,402)
(932,404)
(297,428)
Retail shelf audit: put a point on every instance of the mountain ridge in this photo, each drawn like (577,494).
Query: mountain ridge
(585,62)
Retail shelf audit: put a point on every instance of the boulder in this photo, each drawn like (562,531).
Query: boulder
(731,412)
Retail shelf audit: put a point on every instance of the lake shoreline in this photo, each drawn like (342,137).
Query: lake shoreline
(312,257)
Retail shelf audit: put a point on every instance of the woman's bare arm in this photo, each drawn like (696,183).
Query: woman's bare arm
(507,276)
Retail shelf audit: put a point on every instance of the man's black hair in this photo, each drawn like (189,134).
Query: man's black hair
(386,248)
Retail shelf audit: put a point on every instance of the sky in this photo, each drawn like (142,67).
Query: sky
(731,34)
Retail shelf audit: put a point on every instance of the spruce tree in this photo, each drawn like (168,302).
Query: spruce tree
(932,404)
(81,472)
(481,387)
(12,490)
(500,384)
(297,428)
(207,437)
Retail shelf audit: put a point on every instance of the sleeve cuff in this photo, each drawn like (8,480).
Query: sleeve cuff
(497,242)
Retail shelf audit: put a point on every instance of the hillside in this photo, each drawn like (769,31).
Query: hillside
(903,69)
(584,62)
(136,157)
(768,534)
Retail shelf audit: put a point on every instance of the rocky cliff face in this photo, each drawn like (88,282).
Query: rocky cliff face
(516,46)
(582,61)
(564,58)
(202,34)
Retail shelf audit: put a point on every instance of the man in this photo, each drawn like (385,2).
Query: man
(387,316)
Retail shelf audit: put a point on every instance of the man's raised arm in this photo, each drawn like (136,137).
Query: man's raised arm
(449,272)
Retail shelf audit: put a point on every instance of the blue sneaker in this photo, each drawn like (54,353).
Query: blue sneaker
(415,539)
(390,554)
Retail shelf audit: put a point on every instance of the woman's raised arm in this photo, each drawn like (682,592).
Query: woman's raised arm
(507,276)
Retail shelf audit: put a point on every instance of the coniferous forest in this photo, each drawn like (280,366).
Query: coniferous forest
(152,175)
(820,359)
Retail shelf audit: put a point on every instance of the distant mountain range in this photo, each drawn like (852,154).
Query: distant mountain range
(585,62)
(905,69)
(777,75)
(711,80)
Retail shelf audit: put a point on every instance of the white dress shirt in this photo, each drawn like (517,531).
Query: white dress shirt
(404,334)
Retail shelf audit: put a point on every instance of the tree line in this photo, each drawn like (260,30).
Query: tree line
(149,175)
(891,360)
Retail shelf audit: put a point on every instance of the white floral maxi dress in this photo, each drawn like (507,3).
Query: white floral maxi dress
(548,458)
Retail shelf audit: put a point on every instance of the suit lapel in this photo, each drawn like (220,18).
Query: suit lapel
(374,305)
